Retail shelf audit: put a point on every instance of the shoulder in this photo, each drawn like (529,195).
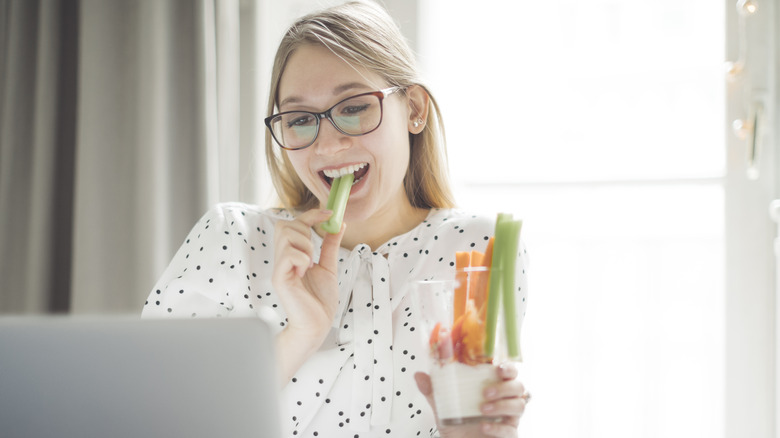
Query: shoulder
(452,220)
(241,209)
(457,227)
(237,219)
(238,213)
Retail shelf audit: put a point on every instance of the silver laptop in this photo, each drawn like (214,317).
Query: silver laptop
(126,377)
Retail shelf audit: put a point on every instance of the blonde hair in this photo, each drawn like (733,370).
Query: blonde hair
(363,34)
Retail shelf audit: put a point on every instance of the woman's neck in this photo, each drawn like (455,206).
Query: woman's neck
(390,227)
(388,222)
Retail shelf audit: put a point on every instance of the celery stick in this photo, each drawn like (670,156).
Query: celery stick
(496,280)
(337,202)
(334,188)
(512,234)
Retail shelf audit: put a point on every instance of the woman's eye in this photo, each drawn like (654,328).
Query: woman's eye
(354,109)
(300,121)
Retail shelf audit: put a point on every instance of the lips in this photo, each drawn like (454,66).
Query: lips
(359,170)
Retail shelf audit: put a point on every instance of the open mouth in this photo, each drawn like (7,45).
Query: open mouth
(359,170)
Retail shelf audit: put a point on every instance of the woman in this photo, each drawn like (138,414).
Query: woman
(348,100)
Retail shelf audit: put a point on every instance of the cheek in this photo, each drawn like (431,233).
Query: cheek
(298,162)
(400,152)
(391,154)
(395,150)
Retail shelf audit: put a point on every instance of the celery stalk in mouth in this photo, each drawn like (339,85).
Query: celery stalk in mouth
(337,202)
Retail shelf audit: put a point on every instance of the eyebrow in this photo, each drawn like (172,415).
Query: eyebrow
(336,91)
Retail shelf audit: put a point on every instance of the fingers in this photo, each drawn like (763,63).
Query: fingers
(502,400)
(511,407)
(505,398)
(507,371)
(292,242)
(423,383)
(505,389)
(313,217)
(426,388)
(329,254)
(503,430)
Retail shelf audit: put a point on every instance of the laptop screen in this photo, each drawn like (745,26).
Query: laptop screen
(83,377)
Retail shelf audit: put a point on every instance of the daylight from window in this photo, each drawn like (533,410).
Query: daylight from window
(601,125)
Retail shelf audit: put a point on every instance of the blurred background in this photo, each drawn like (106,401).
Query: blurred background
(636,138)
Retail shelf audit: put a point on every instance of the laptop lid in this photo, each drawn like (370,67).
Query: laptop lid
(126,377)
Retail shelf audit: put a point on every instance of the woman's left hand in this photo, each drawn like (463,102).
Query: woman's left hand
(506,398)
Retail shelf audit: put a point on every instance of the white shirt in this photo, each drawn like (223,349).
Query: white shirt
(361,381)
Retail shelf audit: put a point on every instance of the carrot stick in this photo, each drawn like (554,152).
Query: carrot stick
(484,281)
(476,258)
(473,336)
(488,260)
(462,261)
(474,276)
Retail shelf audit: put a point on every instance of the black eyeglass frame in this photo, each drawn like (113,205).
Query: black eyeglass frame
(381,94)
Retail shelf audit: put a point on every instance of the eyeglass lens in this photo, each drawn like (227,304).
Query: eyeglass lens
(354,116)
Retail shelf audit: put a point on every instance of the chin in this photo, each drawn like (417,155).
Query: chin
(358,212)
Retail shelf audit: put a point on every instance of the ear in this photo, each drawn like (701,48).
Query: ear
(418,108)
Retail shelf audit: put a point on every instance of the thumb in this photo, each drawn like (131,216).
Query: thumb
(424,385)
(329,254)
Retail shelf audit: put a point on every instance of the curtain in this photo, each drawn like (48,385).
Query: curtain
(121,122)
(38,45)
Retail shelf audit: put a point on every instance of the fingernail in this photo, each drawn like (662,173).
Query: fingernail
(488,407)
(490,393)
(487,427)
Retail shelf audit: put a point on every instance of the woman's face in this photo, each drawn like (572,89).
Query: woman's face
(314,80)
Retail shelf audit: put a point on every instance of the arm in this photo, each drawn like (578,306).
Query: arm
(194,281)
(292,351)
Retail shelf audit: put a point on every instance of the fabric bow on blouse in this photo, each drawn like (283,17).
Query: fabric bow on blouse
(366,286)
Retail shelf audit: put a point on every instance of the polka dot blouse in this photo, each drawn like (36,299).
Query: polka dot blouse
(360,383)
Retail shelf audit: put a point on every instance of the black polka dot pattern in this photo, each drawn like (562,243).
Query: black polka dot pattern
(358,384)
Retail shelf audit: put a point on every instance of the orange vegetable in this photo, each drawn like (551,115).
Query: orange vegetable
(435,335)
(440,343)
(484,281)
(465,343)
(476,258)
(468,337)
(462,260)
(476,261)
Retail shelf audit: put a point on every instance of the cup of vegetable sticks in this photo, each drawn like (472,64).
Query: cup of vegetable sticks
(470,324)
(458,366)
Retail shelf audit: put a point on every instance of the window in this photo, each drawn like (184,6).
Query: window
(602,124)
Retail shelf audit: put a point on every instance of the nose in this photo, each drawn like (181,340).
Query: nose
(329,140)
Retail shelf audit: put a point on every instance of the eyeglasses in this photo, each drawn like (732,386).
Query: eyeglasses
(353,116)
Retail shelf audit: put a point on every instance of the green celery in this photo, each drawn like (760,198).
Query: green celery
(496,281)
(337,202)
(512,234)
(502,285)
(334,189)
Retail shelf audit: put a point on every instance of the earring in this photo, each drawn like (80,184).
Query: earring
(418,122)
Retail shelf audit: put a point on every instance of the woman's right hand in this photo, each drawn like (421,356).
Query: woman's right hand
(308,291)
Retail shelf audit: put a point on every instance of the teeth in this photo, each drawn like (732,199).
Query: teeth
(335,173)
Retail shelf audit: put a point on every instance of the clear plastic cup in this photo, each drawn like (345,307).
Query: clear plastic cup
(459,368)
